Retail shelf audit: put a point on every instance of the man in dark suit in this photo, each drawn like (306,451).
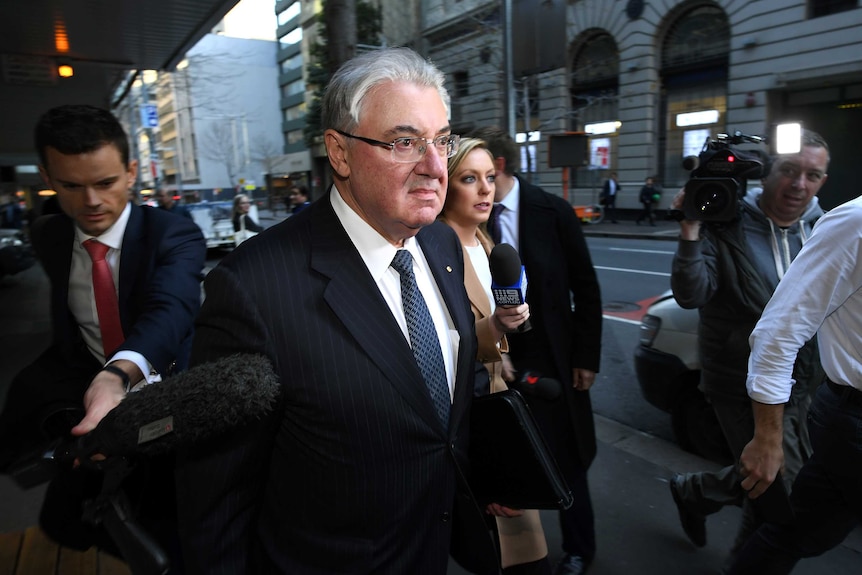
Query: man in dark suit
(564,343)
(105,341)
(167,202)
(360,469)
(610,189)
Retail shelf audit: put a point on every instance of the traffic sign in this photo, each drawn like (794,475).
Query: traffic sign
(149,117)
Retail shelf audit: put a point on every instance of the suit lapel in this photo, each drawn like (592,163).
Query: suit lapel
(355,299)
(130,256)
(534,222)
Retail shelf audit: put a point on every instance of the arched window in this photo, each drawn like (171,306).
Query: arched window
(693,104)
(594,89)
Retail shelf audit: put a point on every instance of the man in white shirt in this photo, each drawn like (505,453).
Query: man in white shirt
(820,293)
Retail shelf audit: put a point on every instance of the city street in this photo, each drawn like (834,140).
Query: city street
(637,525)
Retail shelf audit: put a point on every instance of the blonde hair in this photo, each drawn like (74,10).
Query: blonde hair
(466,146)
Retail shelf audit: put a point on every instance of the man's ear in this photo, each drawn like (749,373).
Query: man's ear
(132,173)
(44,173)
(339,154)
(500,164)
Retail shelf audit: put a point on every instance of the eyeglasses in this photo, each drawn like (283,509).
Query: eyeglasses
(411,150)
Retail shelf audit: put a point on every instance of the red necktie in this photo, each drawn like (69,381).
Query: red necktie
(106,298)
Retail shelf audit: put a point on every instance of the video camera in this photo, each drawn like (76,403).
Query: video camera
(719,175)
(110,508)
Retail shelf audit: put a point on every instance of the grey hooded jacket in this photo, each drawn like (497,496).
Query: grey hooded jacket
(729,275)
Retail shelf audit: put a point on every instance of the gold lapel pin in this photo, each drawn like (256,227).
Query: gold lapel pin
(449,269)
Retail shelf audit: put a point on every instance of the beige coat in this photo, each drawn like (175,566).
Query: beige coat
(522,539)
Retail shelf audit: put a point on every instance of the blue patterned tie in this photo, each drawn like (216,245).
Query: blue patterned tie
(423,336)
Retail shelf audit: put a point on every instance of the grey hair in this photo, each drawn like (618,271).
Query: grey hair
(342,103)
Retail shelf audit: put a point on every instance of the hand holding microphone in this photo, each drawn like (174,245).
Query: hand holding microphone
(509,287)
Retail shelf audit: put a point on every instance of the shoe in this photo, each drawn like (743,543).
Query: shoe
(569,565)
(693,523)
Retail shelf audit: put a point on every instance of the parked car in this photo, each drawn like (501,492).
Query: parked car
(215,219)
(668,371)
(16,254)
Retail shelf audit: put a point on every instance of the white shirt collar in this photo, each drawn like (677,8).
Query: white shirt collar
(113,236)
(375,250)
(510,202)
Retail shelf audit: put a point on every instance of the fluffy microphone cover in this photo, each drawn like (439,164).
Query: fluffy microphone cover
(195,405)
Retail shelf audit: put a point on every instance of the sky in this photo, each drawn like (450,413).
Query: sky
(251,19)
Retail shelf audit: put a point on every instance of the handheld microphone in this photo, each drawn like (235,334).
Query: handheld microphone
(508,279)
(532,384)
(197,404)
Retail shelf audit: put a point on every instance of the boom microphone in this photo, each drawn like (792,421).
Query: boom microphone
(197,404)
(532,384)
(508,279)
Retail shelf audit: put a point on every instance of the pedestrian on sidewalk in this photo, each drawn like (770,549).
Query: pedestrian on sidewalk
(608,199)
(544,230)
(649,197)
(728,271)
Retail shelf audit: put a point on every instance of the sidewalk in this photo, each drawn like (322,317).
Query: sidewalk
(637,526)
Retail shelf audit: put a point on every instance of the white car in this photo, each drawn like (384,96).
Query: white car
(668,371)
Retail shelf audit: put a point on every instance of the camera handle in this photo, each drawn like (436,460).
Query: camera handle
(111,508)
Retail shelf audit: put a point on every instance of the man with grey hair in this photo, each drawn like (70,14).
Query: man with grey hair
(360,468)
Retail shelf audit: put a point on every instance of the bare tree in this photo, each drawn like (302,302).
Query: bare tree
(267,153)
(219,145)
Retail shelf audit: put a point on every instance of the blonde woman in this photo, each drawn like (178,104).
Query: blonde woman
(244,226)
(468,205)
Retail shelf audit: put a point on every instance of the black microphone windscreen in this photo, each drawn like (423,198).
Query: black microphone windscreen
(505,264)
(198,404)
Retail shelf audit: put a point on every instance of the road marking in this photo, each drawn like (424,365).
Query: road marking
(626,270)
(632,317)
(621,319)
(662,252)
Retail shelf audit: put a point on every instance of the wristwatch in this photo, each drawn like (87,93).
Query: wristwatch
(127,382)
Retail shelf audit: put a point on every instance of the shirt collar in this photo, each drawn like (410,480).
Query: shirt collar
(375,250)
(510,202)
(113,236)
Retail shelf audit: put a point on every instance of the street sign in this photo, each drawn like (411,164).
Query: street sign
(149,117)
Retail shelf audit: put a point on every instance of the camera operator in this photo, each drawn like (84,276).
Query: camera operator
(728,270)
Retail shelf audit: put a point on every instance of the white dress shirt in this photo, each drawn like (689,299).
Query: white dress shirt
(820,293)
(82,299)
(377,253)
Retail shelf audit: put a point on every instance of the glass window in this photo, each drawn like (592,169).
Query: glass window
(295,136)
(291,63)
(817,8)
(289,13)
(462,84)
(294,112)
(296,87)
(291,38)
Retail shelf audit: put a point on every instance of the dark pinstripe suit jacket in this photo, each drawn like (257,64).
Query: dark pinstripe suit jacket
(355,473)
